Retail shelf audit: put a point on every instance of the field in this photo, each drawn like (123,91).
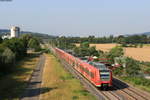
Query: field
(61,85)
(12,85)
(104,47)
(141,54)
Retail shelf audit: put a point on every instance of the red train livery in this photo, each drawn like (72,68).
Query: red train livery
(96,73)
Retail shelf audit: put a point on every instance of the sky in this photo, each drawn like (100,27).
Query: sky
(77,17)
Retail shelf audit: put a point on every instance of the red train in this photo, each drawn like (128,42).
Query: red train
(96,73)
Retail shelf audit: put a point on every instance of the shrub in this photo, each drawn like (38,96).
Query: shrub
(118,71)
(132,67)
(7,60)
(115,52)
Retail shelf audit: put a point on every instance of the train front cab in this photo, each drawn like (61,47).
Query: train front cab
(105,78)
(103,75)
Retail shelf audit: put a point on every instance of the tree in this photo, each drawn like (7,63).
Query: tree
(91,39)
(7,60)
(93,51)
(77,51)
(16,45)
(118,71)
(86,50)
(115,52)
(1,40)
(83,52)
(132,67)
(34,44)
(85,45)
(25,39)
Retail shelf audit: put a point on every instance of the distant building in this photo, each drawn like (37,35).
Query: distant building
(14,32)
(6,36)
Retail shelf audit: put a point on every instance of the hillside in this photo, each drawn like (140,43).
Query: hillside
(144,33)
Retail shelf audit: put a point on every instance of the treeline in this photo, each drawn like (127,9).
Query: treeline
(12,50)
(85,50)
(133,39)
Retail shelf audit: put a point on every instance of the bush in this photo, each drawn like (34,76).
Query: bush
(85,50)
(7,60)
(115,52)
(124,45)
(118,71)
(34,44)
(16,45)
(141,45)
(14,49)
(93,51)
(147,70)
(132,67)
(138,81)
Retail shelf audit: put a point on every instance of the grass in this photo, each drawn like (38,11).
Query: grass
(62,85)
(12,85)
(141,83)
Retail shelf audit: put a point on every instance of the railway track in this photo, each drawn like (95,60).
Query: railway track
(135,93)
(119,91)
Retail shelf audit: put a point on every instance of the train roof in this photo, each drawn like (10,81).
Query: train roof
(99,65)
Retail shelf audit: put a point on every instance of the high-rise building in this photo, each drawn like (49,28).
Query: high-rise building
(14,31)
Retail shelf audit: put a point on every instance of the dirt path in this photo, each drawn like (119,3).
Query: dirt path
(32,92)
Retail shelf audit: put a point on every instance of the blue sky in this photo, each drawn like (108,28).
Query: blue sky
(77,17)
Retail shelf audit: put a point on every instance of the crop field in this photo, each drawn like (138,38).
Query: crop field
(104,47)
(141,54)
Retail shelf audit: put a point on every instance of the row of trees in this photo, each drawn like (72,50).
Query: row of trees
(85,50)
(12,50)
(62,43)
(133,39)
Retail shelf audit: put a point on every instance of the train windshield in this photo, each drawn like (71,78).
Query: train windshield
(100,66)
(105,75)
(103,70)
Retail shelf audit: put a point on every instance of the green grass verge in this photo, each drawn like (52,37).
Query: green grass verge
(62,85)
(138,82)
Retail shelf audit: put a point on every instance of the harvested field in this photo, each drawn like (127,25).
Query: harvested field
(141,54)
(104,47)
